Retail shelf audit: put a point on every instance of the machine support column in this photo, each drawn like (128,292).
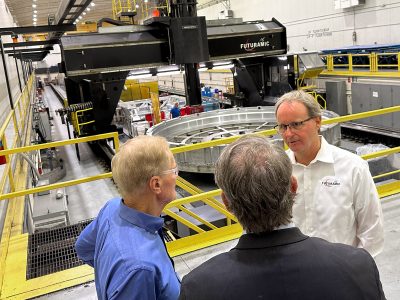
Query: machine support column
(192,85)
(6,74)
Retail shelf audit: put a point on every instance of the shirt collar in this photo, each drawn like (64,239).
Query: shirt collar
(140,219)
(286,226)
(324,154)
(270,239)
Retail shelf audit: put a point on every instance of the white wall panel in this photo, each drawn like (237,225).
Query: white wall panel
(316,25)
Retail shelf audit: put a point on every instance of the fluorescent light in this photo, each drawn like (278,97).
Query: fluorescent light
(34,5)
(35,11)
(84,13)
(80,17)
(35,15)
(202,69)
(34,19)
(169,73)
(88,8)
(92,4)
(139,76)
(223,67)
(282,57)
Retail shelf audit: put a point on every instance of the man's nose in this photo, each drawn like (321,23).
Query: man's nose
(288,131)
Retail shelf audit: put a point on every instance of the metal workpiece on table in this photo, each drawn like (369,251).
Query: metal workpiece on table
(218,124)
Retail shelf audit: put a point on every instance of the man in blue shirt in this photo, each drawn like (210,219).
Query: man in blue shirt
(124,243)
(175,111)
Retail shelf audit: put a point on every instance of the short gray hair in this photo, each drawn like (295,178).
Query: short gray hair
(138,160)
(312,106)
(255,176)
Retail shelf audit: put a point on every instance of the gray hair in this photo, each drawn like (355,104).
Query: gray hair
(312,106)
(138,160)
(255,176)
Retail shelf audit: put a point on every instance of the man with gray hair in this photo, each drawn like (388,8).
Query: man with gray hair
(273,259)
(124,243)
(337,199)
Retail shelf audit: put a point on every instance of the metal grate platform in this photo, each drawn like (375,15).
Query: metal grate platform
(53,250)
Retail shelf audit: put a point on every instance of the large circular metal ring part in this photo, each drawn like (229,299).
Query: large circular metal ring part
(222,123)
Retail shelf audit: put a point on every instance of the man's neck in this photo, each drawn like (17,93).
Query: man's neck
(308,156)
(145,204)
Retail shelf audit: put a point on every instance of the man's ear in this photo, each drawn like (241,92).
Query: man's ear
(318,121)
(155,184)
(225,201)
(293,184)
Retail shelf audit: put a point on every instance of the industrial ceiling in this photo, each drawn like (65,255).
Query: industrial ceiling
(23,11)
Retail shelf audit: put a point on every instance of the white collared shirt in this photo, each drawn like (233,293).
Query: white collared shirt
(337,199)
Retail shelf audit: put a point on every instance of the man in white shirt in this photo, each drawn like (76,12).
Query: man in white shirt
(273,259)
(336,197)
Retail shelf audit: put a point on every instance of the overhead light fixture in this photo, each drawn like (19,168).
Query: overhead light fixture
(34,19)
(80,17)
(137,5)
(88,8)
(223,67)
(169,73)
(34,15)
(34,5)
(35,11)
(139,76)
(84,13)
(92,4)
(34,23)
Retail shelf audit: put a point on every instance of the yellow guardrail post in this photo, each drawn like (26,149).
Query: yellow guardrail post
(8,161)
(350,60)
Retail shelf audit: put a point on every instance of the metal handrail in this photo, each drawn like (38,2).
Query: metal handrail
(6,152)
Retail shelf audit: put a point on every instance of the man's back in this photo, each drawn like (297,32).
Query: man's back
(285,264)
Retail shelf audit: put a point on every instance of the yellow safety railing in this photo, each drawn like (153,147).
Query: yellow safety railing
(76,116)
(121,6)
(19,116)
(368,64)
(318,98)
(113,135)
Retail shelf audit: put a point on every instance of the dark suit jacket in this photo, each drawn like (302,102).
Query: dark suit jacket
(285,264)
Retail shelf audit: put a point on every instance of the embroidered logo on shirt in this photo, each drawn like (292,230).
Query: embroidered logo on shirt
(330,181)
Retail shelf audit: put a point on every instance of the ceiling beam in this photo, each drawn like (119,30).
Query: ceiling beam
(29,50)
(33,43)
(30,55)
(37,29)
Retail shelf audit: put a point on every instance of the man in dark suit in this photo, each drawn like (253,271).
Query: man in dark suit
(273,259)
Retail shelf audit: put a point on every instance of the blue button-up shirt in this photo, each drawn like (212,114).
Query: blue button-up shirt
(129,258)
